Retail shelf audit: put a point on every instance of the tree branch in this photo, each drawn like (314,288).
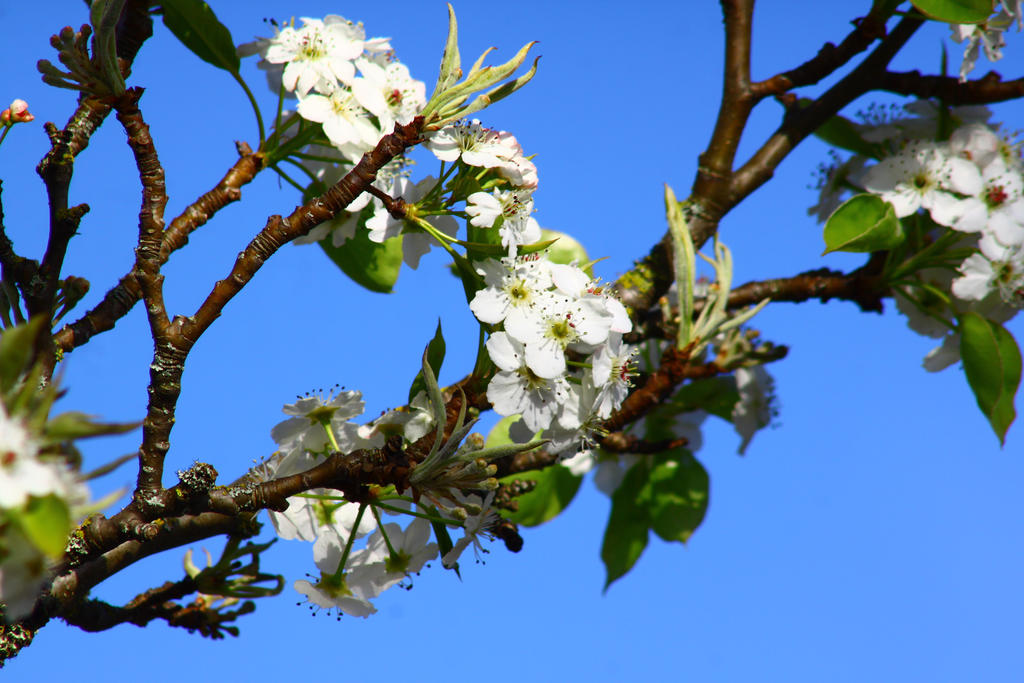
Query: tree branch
(986,90)
(829,58)
(123,296)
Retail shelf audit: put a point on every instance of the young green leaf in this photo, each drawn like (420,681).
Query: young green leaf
(679,495)
(992,363)
(555,489)
(75,425)
(444,540)
(372,265)
(955,11)
(197,27)
(716,395)
(625,537)
(435,356)
(841,132)
(564,249)
(46,521)
(16,351)
(863,223)
(104,15)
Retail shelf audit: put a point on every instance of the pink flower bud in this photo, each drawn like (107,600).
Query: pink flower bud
(16,113)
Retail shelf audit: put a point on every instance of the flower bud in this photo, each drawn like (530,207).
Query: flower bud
(16,113)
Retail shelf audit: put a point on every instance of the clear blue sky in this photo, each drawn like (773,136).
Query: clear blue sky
(874,534)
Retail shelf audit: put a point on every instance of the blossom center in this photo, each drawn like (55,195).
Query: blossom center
(532,381)
(334,586)
(996,195)
(561,330)
(312,48)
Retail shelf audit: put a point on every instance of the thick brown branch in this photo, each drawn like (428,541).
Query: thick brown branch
(986,90)
(71,585)
(864,288)
(715,163)
(165,370)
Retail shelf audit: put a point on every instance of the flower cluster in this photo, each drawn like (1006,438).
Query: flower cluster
(27,481)
(318,63)
(972,187)
(350,577)
(561,361)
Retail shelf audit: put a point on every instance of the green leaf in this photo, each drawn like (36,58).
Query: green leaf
(863,223)
(716,395)
(555,489)
(451,65)
(480,250)
(955,11)
(75,425)
(841,132)
(992,363)
(565,249)
(444,540)
(435,357)
(372,265)
(679,495)
(46,521)
(498,435)
(16,351)
(197,27)
(625,537)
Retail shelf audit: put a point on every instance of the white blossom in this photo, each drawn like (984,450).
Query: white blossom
(472,528)
(320,54)
(474,144)
(389,92)
(925,175)
(346,591)
(517,390)
(514,286)
(411,551)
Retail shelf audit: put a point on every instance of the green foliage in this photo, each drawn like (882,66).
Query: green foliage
(372,265)
(46,521)
(625,537)
(565,249)
(716,395)
(992,363)
(197,27)
(864,223)
(16,352)
(955,11)
(668,494)
(841,132)
(74,425)
(679,497)
(104,15)
(435,357)
(555,488)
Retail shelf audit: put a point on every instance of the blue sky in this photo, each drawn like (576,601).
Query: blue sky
(873,534)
